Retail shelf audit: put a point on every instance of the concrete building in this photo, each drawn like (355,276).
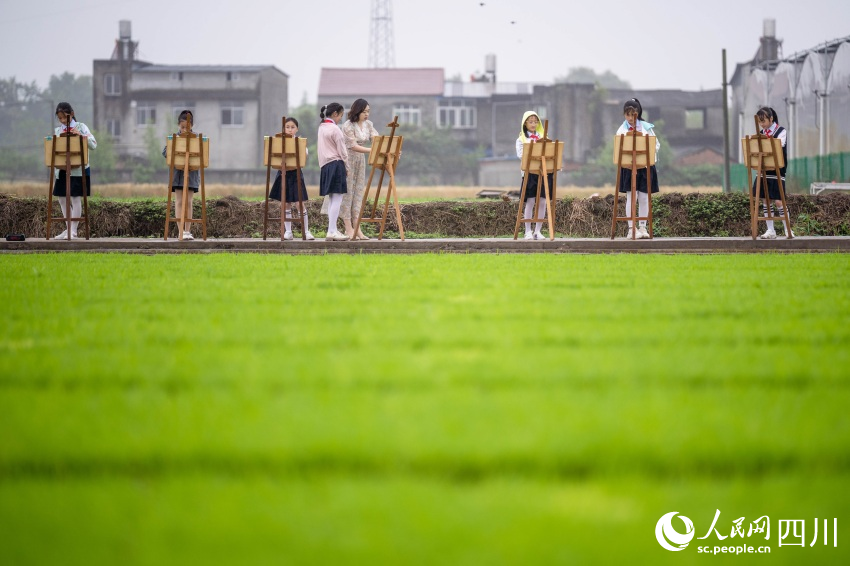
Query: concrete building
(484,115)
(235,106)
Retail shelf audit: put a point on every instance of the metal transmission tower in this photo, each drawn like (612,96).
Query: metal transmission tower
(381,45)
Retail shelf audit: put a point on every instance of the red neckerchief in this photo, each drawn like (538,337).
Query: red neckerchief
(328,121)
(769,132)
(533,137)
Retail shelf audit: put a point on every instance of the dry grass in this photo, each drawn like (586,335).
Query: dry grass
(131,190)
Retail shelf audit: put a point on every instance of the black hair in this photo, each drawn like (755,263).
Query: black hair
(357,109)
(633,104)
(65,108)
(293,120)
(331,108)
(186,115)
(767,113)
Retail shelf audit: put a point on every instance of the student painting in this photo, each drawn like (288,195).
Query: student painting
(185,122)
(531,130)
(633,114)
(333,161)
(293,188)
(769,124)
(68,122)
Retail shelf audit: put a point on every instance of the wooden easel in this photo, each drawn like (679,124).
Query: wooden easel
(384,156)
(540,158)
(633,150)
(764,153)
(189,152)
(68,150)
(284,153)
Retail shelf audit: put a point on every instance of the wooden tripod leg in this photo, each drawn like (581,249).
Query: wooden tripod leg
(50,182)
(395,201)
(168,202)
(68,213)
(364,203)
(633,193)
(85,204)
(649,195)
(616,211)
(386,202)
(786,216)
(519,218)
(203,202)
(181,222)
(266,202)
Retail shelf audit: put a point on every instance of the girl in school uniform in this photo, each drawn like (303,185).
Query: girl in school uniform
(185,121)
(633,113)
(769,124)
(290,128)
(333,160)
(65,115)
(531,130)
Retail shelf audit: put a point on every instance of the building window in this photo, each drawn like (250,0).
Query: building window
(232,114)
(112,84)
(177,76)
(232,76)
(145,114)
(113,128)
(409,114)
(458,114)
(180,106)
(695,119)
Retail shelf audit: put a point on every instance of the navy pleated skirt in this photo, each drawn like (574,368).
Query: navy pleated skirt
(332,179)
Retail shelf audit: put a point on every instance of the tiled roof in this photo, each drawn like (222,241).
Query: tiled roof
(379,82)
(205,68)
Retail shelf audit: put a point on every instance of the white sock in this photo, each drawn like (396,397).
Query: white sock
(286,223)
(629,208)
(643,207)
(76,212)
(780,211)
(529,210)
(768,222)
(334,202)
(305,224)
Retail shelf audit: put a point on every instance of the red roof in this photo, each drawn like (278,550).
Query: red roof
(378,82)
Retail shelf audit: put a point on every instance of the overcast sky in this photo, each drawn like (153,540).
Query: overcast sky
(686,38)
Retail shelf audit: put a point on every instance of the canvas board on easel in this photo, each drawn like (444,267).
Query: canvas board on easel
(277,146)
(79,151)
(534,152)
(755,145)
(628,142)
(381,146)
(178,147)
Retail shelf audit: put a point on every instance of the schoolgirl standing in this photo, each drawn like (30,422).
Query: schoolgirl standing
(65,115)
(531,130)
(290,128)
(333,160)
(633,113)
(185,121)
(769,124)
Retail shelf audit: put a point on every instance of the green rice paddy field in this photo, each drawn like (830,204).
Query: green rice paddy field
(429,409)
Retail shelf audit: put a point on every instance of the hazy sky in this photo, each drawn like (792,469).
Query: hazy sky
(686,37)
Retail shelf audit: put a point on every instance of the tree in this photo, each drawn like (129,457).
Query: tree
(76,90)
(152,167)
(103,160)
(433,155)
(586,75)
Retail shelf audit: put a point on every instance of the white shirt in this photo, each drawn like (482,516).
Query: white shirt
(84,130)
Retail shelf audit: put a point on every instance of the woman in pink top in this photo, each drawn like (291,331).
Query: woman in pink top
(333,159)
